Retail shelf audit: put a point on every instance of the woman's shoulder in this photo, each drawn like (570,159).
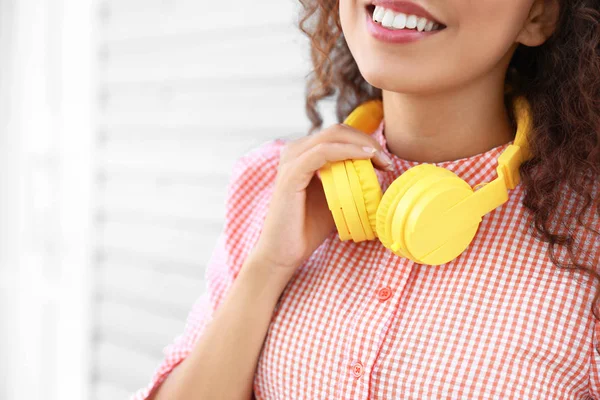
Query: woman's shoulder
(264,157)
(577,216)
(252,173)
(248,195)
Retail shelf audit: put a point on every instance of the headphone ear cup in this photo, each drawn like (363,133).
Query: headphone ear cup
(371,190)
(359,199)
(349,208)
(390,199)
(423,182)
(436,232)
(348,199)
(333,202)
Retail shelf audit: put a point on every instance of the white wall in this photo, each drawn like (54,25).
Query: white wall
(186,87)
(45,132)
(120,122)
(8,222)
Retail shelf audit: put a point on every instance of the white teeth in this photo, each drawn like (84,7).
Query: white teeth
(394,20)
(411,21)
(388,19)
(378,14)
(399,21)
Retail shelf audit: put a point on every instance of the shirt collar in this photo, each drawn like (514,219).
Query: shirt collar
(473,169)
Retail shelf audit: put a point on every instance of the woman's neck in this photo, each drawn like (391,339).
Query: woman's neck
(445,126)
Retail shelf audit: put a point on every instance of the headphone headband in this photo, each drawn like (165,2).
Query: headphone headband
(524,117)
(518,152)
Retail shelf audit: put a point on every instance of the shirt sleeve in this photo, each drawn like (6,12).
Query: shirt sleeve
(248,194)
(592,244)
(594,386)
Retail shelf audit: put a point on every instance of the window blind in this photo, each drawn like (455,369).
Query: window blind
(185,87)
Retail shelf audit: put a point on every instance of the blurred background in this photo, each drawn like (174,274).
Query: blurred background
(120,121)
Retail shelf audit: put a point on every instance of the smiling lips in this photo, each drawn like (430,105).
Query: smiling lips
(405,7)
(395,26)
(399,20)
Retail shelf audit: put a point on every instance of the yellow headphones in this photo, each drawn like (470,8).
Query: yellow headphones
(428,214)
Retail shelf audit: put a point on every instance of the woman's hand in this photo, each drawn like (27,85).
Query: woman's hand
(298,219)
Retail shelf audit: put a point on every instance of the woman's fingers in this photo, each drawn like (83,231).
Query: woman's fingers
(339,133)
(300,171)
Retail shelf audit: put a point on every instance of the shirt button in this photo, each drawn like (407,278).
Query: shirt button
(384,293)
(357,369)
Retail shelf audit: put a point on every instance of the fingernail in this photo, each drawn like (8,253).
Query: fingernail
(369,150)
(383,158)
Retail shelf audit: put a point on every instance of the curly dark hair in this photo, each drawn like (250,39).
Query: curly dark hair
(561,81)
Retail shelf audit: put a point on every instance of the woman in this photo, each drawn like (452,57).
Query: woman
(293,312)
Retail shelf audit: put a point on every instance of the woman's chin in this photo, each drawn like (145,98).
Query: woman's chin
(401,83)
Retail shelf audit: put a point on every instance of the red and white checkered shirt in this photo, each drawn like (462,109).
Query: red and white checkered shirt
(358,322)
